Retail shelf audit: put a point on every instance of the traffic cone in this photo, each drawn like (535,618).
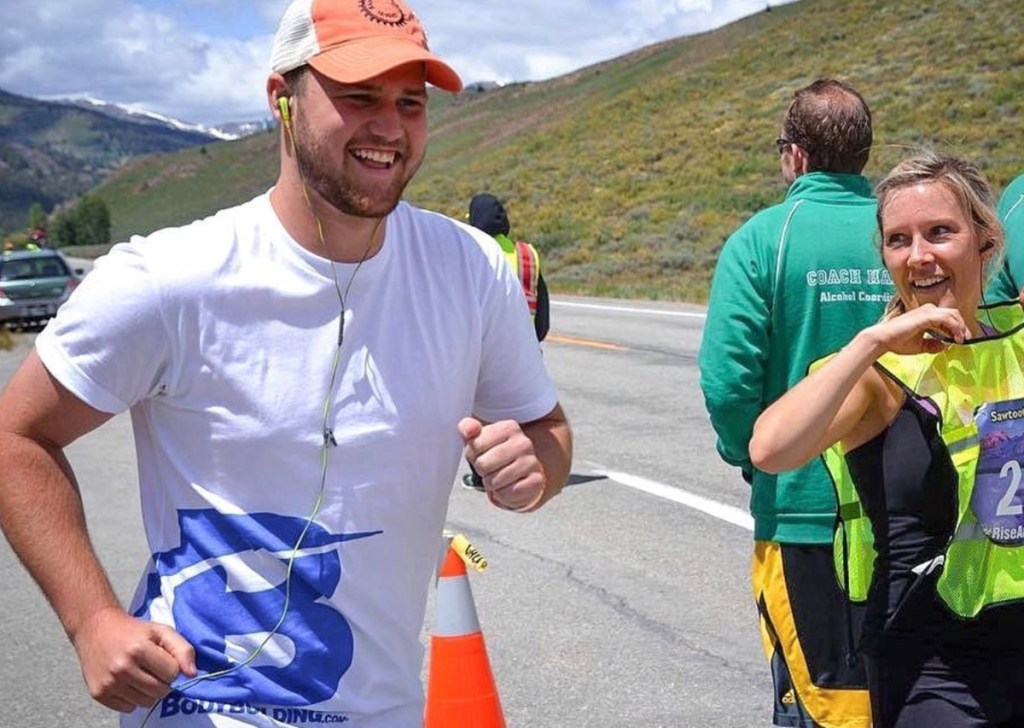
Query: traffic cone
(460,686)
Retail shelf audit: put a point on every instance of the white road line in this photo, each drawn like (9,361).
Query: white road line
(721,511)
(625,309)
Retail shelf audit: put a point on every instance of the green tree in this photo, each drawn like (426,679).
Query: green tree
(92,221)
(63,233)
(37,216)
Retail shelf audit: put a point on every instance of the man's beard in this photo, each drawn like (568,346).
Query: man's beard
(337,189)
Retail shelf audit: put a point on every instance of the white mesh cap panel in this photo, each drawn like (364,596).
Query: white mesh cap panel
(295,42)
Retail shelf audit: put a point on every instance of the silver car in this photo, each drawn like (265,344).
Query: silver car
(33,285)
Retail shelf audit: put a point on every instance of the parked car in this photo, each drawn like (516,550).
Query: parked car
(33,285)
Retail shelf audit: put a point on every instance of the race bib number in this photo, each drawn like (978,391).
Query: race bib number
(997,499)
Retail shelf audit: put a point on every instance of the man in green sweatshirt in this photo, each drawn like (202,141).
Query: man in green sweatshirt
(793,284)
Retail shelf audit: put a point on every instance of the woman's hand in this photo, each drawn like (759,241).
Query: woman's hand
(920,330)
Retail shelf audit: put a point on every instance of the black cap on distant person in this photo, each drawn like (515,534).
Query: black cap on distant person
(488,214)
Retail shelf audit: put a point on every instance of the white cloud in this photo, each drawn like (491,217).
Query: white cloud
(532,40)
(118,51)
(206,60)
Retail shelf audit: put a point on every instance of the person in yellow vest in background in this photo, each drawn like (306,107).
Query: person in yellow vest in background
(488,214)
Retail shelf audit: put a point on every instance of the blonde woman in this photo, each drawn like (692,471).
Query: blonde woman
(927,666)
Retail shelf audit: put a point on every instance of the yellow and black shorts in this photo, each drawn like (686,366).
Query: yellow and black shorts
(806,630)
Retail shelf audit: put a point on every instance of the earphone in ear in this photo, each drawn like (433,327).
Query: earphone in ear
(284,104)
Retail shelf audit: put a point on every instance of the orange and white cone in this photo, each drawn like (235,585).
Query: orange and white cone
(460,686)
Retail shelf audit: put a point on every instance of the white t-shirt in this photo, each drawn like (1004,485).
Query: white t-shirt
(220,337)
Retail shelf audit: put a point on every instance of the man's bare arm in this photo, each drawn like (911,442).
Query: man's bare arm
(40,505)
(125,662)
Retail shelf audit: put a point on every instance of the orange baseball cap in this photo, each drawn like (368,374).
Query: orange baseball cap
(354,40)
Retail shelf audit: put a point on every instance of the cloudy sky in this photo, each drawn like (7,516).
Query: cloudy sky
(206,60)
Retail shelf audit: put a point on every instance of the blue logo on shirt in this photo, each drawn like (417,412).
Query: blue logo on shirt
(227,586)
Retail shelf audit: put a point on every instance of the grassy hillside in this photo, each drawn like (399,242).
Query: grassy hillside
(158,190)
(629,175)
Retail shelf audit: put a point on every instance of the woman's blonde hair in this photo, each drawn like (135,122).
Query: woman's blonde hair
(968,185)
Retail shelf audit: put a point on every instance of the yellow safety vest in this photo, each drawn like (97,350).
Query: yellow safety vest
(978,390)
(525,262)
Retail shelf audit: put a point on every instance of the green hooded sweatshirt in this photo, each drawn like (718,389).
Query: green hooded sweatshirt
(793,284)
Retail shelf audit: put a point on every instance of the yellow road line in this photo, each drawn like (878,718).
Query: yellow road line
(585,342)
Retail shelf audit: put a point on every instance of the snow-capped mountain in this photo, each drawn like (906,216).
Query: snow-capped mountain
(235,130)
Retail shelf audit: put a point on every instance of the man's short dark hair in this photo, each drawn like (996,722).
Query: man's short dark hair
(831,122)
(296,80)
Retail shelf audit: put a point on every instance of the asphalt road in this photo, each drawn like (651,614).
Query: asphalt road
(624,602)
